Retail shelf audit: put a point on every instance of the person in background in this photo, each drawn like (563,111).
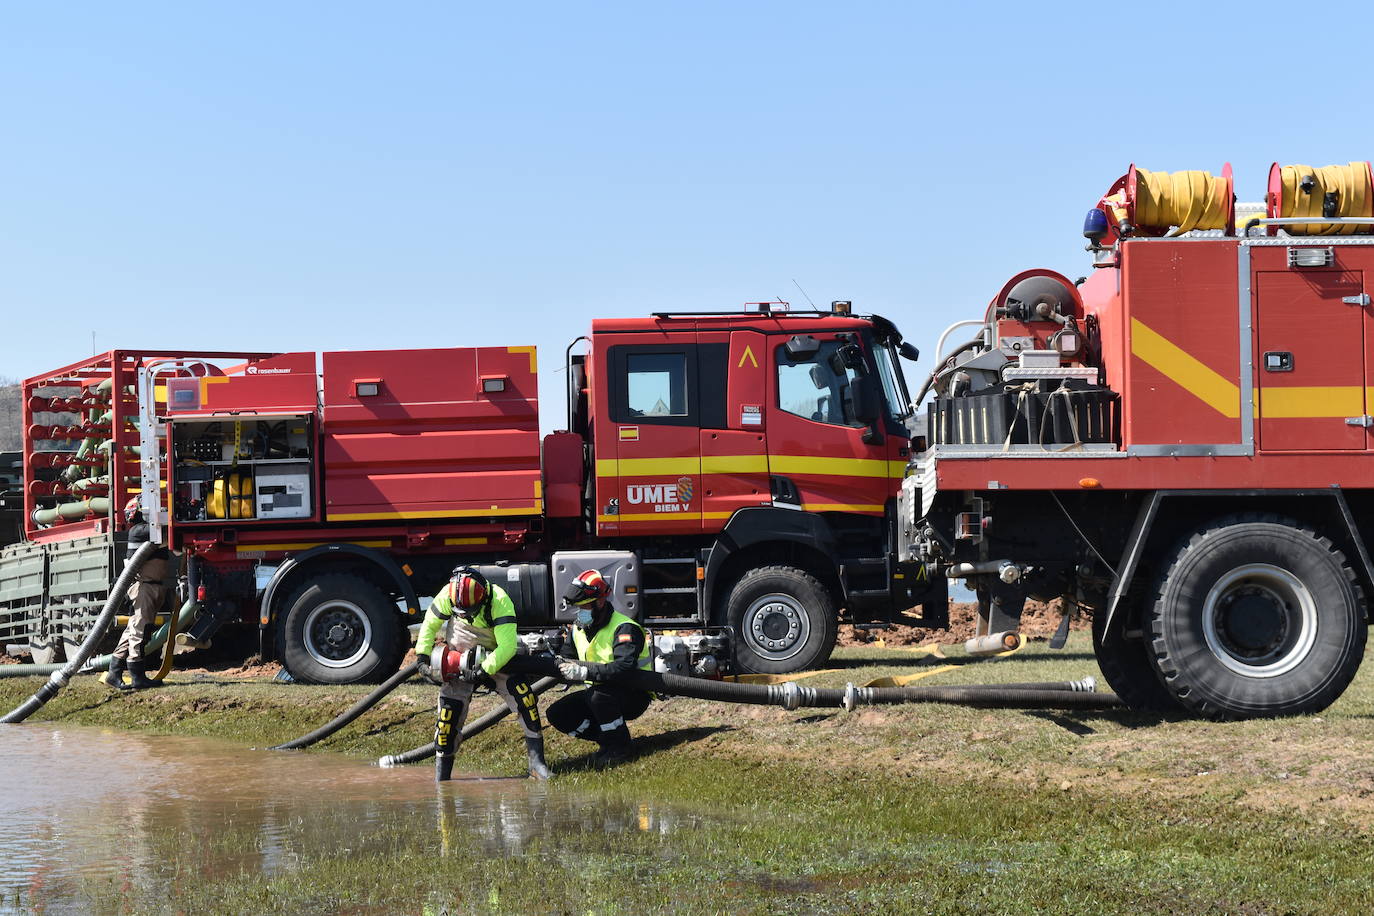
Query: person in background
(609,647)
(147,595)
(478,619)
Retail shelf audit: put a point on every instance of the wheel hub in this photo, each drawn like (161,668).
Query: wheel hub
(337,633)
(1260,620)
(776,626)
(1253,619)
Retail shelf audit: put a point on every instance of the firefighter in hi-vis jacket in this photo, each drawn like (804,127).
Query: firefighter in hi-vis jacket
(480,632)
(609,645)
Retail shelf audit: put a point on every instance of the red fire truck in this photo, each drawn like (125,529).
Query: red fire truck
(734,472)
(1178,443)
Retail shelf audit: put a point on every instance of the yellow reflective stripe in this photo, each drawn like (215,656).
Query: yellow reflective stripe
(751,464)
(440,513)
(840,507)
(734,464)
(534,365)
(839,467)
(457,542)
(646,467)
(656,517)
(1198,379)
(305,545)
(1292,403)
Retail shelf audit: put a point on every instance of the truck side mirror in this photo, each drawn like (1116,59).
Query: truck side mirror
(852,357)
(860,402)
(909,351)
(801,347)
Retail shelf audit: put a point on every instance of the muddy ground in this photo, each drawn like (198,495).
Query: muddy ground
(1038,810)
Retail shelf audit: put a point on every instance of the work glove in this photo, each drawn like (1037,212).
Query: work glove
(423,662)
(471,668)
(572,671)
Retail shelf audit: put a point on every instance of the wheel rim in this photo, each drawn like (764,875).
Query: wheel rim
(776,627)
(337,633)
(1260,620)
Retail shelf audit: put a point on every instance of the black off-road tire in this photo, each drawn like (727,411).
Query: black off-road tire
(1257,616)
(1128,668)
(341,629)
(783,620)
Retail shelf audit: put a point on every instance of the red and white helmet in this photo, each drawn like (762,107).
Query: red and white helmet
(131,508)
(468,589)
(589,586)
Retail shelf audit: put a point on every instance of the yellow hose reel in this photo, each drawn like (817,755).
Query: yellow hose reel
(231,496)
(1333,192)
(1172,203)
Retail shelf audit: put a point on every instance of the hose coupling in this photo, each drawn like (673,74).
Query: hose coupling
(791,695)
(1085,685)
(387,762)
(851,697)
(59,679)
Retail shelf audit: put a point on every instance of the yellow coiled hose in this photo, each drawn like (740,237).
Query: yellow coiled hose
(1297,191)
(1181,201)
(1186,200)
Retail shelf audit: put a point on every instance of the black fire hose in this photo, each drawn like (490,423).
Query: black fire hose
(353,712)
(792,695)
(1054,695)
(60,677)
(480,724)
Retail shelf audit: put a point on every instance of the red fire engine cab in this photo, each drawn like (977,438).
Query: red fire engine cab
(1180,443)
(731,472)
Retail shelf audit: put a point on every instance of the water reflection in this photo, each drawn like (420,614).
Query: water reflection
(91,808)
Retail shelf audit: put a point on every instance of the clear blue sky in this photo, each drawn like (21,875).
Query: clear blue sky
(350,176)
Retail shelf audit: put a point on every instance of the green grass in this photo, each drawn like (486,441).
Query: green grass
(757,810)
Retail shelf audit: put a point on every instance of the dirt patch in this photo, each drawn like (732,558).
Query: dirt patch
(1039,620)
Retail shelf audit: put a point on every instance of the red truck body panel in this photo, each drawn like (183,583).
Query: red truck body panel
(431,443)
(1185,327)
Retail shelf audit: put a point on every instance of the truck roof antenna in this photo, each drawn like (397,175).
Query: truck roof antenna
(803,292)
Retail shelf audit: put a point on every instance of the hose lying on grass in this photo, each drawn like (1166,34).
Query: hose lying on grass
(63,673)
(481,724)
(1054,695)
(353,712)
(792,695)
(183,622)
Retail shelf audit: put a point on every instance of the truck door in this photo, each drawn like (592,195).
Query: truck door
(822,456)
(1310,364)
(734,451)
(655,409)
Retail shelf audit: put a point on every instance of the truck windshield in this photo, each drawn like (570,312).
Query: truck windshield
(894,383)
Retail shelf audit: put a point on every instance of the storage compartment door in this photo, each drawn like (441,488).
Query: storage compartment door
(1309,360)
(428,434)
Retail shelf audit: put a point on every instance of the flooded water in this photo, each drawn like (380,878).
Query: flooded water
(84,807)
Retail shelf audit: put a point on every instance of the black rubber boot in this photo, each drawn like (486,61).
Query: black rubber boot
(448,734)
(535,748)
(114,678)
(138,680)
(612,754)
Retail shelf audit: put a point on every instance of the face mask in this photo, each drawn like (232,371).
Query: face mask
(583,618)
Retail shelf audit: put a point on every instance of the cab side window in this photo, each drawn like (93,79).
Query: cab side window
(656,384)
(814,387)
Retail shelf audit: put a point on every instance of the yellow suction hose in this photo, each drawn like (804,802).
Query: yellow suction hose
(1297,191)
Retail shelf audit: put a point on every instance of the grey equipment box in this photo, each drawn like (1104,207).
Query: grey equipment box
(282,491)
(620,567)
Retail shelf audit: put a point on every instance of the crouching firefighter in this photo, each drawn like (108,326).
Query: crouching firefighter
(609,647)
(478,619)
(147,595)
